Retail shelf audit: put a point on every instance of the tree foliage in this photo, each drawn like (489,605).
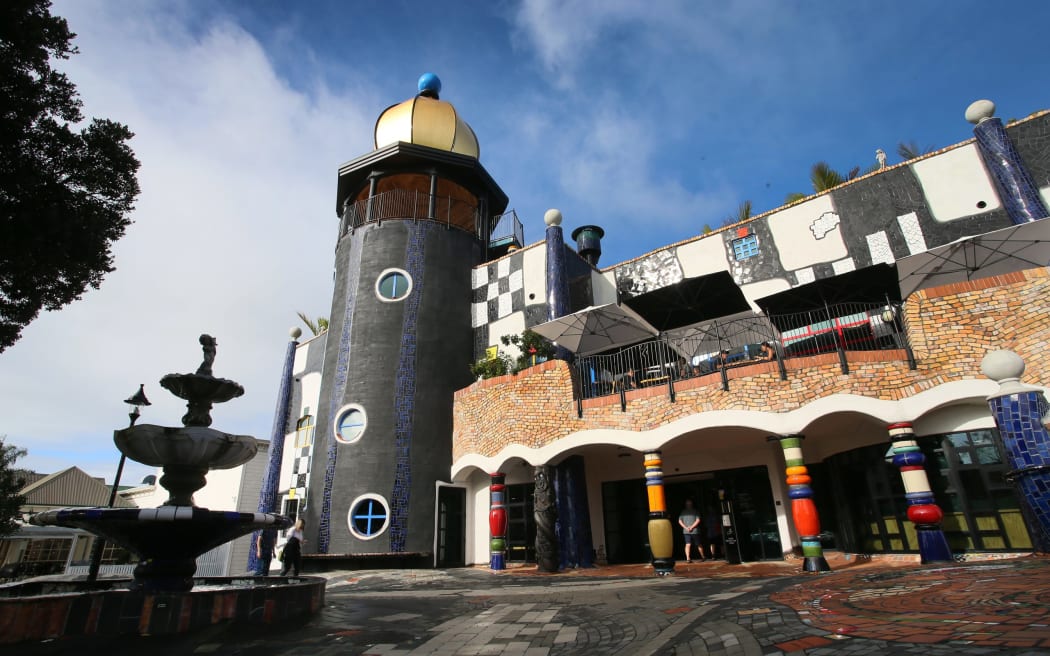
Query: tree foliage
(911,149)
(11,481)
(65,190)
(316,326)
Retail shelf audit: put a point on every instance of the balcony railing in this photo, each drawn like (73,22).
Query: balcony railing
(412,204)
(507,229)
(718,346)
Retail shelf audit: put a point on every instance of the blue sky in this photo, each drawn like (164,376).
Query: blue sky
(650,119)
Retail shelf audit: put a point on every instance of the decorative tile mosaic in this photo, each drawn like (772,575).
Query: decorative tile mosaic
(1027,444)
(911,230)
(342,366)
(844,266)
(655,271)
(268,492)
(879,247)
(405,388)
(1017,191)
(498,290)
(824,224)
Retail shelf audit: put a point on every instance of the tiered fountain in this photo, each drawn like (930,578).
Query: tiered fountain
(167,539)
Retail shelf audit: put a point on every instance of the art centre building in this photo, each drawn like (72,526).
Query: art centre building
(826,352)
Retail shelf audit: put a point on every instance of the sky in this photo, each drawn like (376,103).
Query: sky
(649,119)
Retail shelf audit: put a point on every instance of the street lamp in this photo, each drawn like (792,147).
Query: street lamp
(135,401)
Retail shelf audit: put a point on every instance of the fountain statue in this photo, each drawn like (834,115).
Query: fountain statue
(169,539)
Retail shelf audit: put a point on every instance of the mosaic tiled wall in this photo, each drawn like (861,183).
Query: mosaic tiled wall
(950,328)
(882,217)
(405,389)
(1027,442)
(345,305)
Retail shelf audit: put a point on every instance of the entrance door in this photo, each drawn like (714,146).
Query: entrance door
(750,502)
(452,534)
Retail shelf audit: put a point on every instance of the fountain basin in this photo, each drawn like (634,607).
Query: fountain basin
(185,446)
(59,610)
(167,539)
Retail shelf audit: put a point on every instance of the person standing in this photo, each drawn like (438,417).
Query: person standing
(689,520)
(292,555)
(264,549)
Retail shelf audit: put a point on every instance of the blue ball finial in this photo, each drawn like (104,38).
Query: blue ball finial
(429,85)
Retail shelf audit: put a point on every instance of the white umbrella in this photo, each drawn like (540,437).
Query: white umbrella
(1016,248)
(597,328)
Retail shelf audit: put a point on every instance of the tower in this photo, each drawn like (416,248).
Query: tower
(415,217)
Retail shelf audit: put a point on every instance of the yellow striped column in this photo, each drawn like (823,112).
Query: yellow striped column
(661,537)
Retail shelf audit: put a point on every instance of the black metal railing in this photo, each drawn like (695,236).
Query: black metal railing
(507,226)
(718,346)
(413,204)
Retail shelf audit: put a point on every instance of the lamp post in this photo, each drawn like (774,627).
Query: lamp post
(135,401)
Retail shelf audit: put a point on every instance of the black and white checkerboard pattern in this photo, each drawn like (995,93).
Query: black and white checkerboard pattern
(499,290)
(300,476)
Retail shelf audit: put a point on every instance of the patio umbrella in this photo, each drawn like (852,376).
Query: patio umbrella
(1016,248)
(597,328)
(691,300)
(709,336)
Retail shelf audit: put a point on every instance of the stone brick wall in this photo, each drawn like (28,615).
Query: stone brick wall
(950,329)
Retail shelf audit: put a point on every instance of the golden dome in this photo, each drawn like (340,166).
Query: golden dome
(426,121)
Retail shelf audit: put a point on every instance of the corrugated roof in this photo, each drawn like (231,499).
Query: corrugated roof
(70,487)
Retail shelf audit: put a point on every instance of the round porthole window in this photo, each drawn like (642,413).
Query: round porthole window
(368,517)
(393,285)
(350,423)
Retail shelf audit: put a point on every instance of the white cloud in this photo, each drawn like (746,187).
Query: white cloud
(233,231)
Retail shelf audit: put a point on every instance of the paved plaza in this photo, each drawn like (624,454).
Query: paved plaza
(861,608)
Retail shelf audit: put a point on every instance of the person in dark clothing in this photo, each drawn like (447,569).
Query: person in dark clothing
(292,555)
(712,533)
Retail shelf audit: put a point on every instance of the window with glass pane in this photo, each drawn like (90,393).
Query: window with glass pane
(368,518)
(745,247)
(304,432)
(351,425)
(393,285)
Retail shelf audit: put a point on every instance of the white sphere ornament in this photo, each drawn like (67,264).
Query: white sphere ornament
(295,332)
(552,217)
(1005,367)
(980,110)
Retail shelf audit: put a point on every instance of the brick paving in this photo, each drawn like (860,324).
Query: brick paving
(862,608)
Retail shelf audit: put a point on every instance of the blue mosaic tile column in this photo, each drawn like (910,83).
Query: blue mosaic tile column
(1020,196)
(268,493)
(923,510)
(557,280)
(1020,413)
(574,521)
(342,370)
(405,388)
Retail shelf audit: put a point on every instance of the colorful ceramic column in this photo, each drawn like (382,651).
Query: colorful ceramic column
(661,536)
(803,510)
(1020,196)
(263,541)
(497,522)
(923,510)
(1023,416)
(558,304)
(545,513)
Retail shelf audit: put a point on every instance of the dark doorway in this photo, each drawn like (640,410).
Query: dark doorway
(626,512)
(452,535)
(521,526)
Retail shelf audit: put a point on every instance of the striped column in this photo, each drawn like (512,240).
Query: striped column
(803,510)
(923,510)
(497,522)
(661,537)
